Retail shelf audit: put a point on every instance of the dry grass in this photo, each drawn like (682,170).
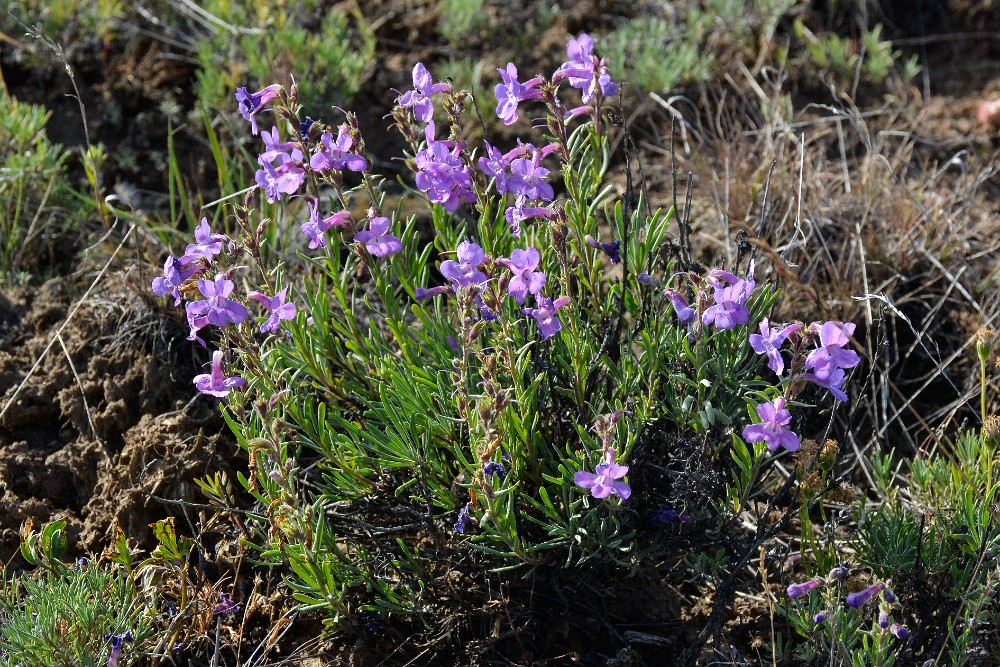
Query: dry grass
(881,216)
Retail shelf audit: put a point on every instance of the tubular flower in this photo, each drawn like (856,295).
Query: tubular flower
(604,481)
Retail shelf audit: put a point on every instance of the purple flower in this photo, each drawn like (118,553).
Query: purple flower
(889,596)
(305,126)
(494,164)
(859,599)
(377,238)
(250,103)
(495,468)
(769,342)
(337,154)
(898,631)
(665,514)
(511,92)
(828,361)
(286,178)
(527,178)
(217,307)
(315,228)
(419,99)
(728,310)
(196,322)
(463,519)
(117,640)
(774,417)
(207,244)
(422,293)
(684,311)
(820,617)
(518,213)
(838,572)
(798,590)
(584,70)
(226,606)
(603,482)
(464,270)
(526,280)
(441,174)
(279,309)
(216,383)
(545,314)
(883,619)
(612,250)
(175,272)
(273,144)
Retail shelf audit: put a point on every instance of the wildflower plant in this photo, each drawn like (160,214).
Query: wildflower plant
(500,375)
(88,613)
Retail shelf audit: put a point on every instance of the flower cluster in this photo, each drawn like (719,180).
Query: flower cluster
(855,600)
(824,365)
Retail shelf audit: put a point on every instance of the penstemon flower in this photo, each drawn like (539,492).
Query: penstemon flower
(175,272)
(798,590)
(285,178)
(604,482)
(336,154)
(278,307)
(377,239)
(251,103)
(216,383)
(769,342)
(545,316)
(526,280)
(464,270)
(585,71)
(511,92)
(207,244)
(774,418)
(442,175)
(217,307)
(117,644)
(315,228)
(419,99)
(861,598)
(827,363)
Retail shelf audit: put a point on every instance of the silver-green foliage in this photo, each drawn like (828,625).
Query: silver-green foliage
(60,616)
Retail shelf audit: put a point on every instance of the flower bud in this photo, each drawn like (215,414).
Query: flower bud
(798,590)
(861,598)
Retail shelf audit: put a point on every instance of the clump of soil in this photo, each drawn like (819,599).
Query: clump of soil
(96,434)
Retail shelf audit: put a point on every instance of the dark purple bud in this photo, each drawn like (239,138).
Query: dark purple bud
(820,617)
(463,519)
(427,292)
(647,279)
(859,599)
(883,619)
(798,590)
(889,596)
(898,631)
(304,127)
(837,573)
(494,468)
